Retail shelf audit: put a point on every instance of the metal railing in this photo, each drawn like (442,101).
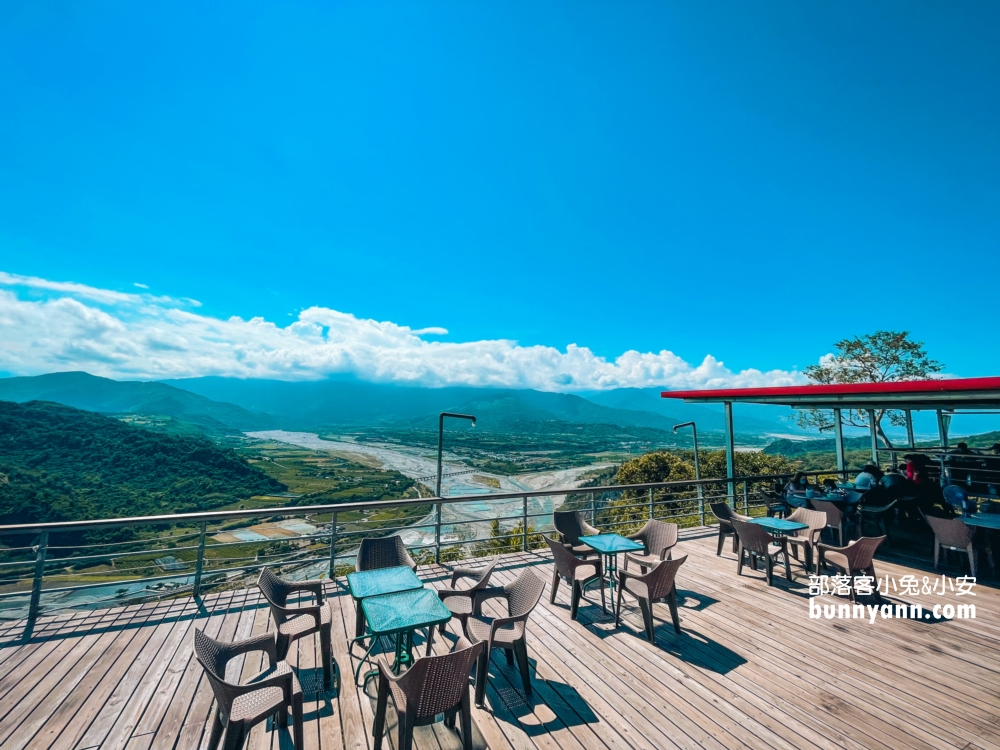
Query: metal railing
(77,564)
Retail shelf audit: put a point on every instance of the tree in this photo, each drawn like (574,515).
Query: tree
(880,357)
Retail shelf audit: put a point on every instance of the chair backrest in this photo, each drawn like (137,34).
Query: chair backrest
(434,684)
(482,576)
(955,496)
(814,519)
(213,657)
(833,514)
(752,537)
(722,511)
(570,524)
(565,561)
(382,552)
(661,578)
(657,536)
(951,532)
(523,593)
(853,496)
(860,552)
(273,588)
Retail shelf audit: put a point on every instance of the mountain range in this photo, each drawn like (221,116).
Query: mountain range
(222,405)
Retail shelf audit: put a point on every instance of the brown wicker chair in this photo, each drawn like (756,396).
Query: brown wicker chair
(578,573)
(376,553)
(856,557)
(835,519)
(806,538)
(459,600)
(275,690)
(875,516)
(658,538)
(433,685)
(297,622)
(659,583)
(756,542)
(383,552)
(952,533)
(725,514)
(508,633)
(571,526)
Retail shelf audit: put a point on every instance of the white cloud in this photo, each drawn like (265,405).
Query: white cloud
(57,326)
(141,286)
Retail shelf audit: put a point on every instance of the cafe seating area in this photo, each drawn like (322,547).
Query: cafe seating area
(487,653)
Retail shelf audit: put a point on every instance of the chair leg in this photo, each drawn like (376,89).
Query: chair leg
(521,652)
(645,606)
(769,569)
(235,734)
(788,564)
(508,655)
(466,713)
(326,651)
(555,584)
(406,722)
(430,640)
(282,642)
(618,614)
(574,602)
(722,540)
(672,603)
(736,541)
(380,708)
(217,730)
(482,671)
(937,552)
(972,560)
(739,563)
(297,729)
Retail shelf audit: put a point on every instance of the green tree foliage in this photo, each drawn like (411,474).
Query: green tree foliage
(63,464)
(513,543)
(880,357)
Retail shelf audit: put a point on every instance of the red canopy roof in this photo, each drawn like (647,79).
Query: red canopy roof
(911,394)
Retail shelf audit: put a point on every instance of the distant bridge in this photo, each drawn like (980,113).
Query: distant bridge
(449,474)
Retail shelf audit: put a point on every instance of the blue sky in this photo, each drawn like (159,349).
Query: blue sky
(751,181)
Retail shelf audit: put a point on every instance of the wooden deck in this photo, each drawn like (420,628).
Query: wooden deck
(750,670)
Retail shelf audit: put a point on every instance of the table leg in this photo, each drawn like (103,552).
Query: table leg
(611,567)
(357,672)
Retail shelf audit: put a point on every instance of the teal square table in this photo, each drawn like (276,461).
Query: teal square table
(779,525)
(379,582)
(399,615)
(610,546)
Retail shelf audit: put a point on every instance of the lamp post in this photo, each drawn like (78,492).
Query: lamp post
(694,437)
(437,489)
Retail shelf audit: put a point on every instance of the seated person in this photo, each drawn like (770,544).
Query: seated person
(866,479)
(798,484)
(830,487)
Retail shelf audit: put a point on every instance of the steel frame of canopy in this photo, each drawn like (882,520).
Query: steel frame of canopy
(943,396)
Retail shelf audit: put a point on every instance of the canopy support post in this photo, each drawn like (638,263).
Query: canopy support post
(730,453)
(942,429)
(909,429)
(871,425)
(838,431)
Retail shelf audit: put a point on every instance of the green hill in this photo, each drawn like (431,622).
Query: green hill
(85,391)
(58,463)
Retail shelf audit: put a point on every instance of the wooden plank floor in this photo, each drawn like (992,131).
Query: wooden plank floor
(750,669)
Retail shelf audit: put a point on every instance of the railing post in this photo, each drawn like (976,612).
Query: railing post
(593,509)
(201,560)
(650,503)
(746,497)
(333,546)
(36,584)
(701,505)
(524,523)
(437,536)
